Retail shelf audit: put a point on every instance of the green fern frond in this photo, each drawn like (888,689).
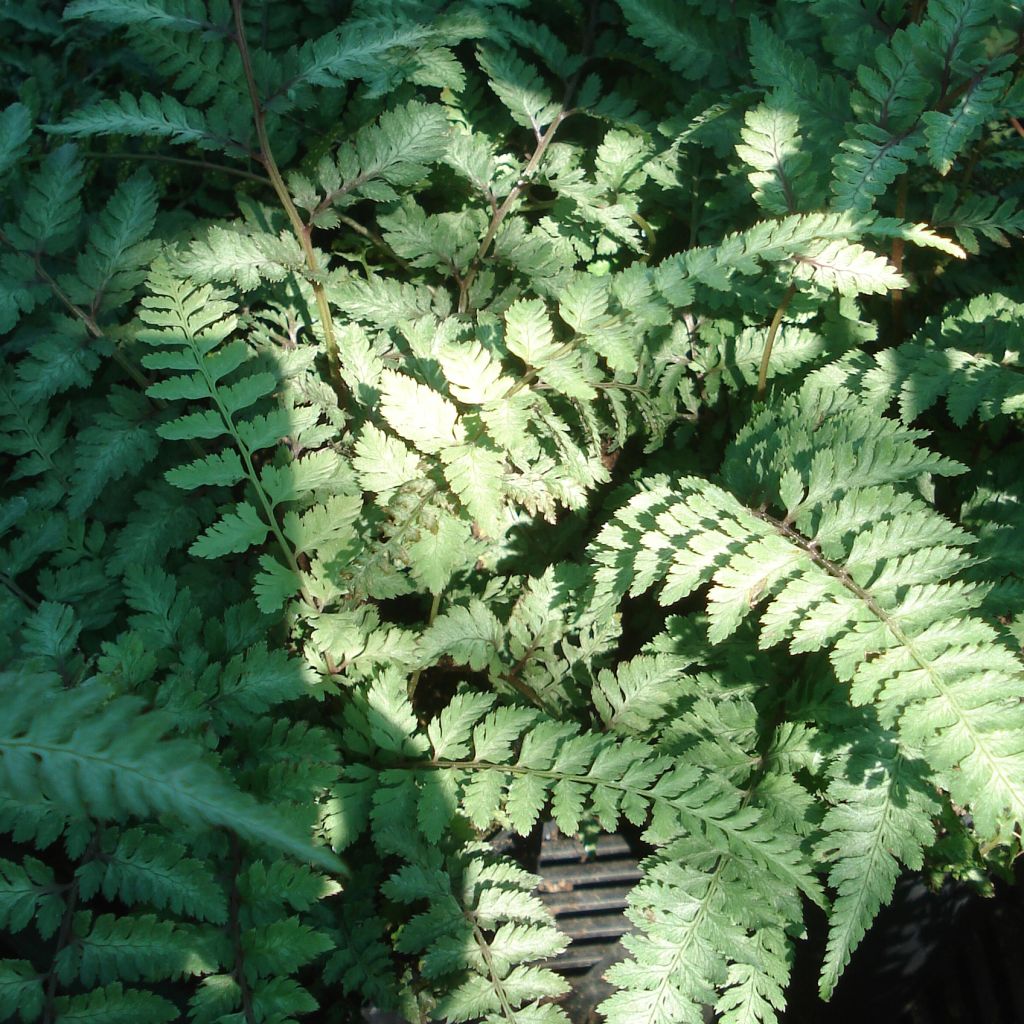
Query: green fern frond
(115,259)
(970,358)
(115,1004)
(381,51)
(148,116)
(142,867)
(15,128)
(815,247)
(868,164)
(696,933)
(850,564)
(978,214)
(946,135)
(638,694)
(881,817)
(519,88)
(507,764)
(51,206)
(112,761)
(477,940)
(29,893)
(781,175)
(395,152)
(170,15)
(678,37)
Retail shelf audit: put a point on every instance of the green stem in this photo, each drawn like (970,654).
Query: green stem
(502,212)
(769,341)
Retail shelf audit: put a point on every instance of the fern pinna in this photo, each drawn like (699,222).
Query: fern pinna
(423,420)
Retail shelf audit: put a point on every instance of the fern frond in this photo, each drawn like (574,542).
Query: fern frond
(946,135)
(781,176)
(193,321)
(141,867)
(115,258)
(508,764)
(696,932)
(115,443)
(21,989)
(166,15)
(51,206)
(147,116)
(868,164)
(381,51)
(244,258)
(29,894)
(881,817)
(395,152)
(530,336)
(139,948)
(15,128)
(815,247)
(639,693)
(112,761)
(519,88)
(115,1004)
(678,36)
(970,358)
(797,83)
(853,565)
(479,936)
(978,214)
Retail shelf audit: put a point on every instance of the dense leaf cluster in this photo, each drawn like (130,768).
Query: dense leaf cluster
(426,419)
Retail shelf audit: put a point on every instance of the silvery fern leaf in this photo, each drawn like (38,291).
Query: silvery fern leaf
(834,555)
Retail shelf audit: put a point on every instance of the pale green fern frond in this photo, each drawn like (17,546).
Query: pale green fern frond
(700,927)
(810,534)
(477,941)
(880,818)
(781,174)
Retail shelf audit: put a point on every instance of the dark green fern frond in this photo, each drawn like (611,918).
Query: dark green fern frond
(113,761)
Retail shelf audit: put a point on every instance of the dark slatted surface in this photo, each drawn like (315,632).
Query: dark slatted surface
(586,891)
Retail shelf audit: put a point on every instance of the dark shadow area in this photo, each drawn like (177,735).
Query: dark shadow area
(947,957)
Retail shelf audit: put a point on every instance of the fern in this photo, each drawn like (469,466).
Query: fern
(875,825)
(158,117)
(80,757)
(968,358)
(410,438)
(482,975)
